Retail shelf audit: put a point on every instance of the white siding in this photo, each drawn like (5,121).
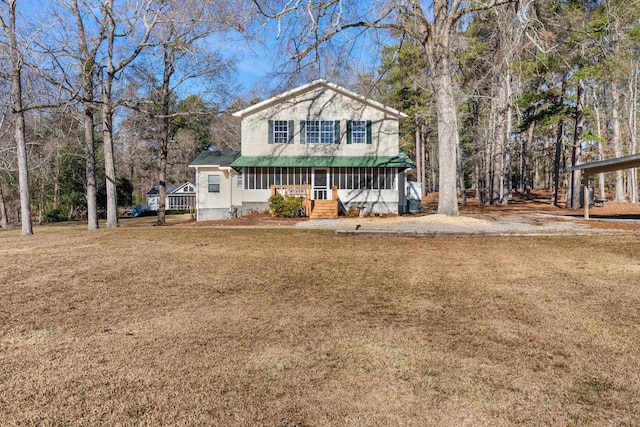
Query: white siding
(230,194)
(320,104)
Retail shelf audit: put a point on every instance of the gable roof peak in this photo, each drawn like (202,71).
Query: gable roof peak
(311,86)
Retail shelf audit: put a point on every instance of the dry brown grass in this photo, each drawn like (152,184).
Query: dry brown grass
(192,326)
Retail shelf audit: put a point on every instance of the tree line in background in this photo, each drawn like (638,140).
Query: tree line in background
(91,108)
(532,102)
(502,95)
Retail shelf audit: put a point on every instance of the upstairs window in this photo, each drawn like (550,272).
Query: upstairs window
(320,132)
(359,132)
(326,132)
(313,131)
(280,131)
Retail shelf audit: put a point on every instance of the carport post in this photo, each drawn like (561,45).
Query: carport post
(585,194)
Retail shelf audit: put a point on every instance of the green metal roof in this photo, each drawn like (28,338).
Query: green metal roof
(215,158)
(401,161)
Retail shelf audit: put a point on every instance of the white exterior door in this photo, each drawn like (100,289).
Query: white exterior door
(320,184)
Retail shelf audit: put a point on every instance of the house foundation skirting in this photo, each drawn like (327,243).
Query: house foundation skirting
(208,214)
(248,207)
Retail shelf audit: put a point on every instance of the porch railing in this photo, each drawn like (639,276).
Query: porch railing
(292,190)
(300,191)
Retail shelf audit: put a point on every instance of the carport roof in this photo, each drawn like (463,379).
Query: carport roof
(627,162)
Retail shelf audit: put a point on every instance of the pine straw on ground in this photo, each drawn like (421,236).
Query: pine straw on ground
(187,326)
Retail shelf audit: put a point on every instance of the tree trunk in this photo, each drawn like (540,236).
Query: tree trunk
(488,182)
(617,143)
(90,168)
(558,156)
(88,83)
(498,154)
(576,152)
(557,159)
(107,123)
(633,129)
(109,160)
(526,158)
(477,151)
(463,185)
(3,210)
(16,100)
(508,187)
(169,60)
(419,155)
(447,137)
(600,147)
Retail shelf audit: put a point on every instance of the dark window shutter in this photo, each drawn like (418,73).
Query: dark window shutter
(336,132)
(290,132)
(270,137)
(303,131)
(349,131)
(369,138)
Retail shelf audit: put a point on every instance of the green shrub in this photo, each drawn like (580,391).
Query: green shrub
(285,206)
(53,215)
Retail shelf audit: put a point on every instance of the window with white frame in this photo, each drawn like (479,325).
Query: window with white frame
(213,183)
(327,132)
(320,131)
(280,131)
(359,131)
(239,179)
(312,128)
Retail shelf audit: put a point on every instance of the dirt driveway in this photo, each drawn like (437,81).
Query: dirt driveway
(530,216)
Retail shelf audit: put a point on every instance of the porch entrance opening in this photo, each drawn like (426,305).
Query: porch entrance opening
(320,184)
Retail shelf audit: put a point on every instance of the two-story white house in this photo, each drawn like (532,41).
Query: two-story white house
(334,147)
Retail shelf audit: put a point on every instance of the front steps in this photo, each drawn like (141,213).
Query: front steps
(324,209)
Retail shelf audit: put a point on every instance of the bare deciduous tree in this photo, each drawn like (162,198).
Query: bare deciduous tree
(140,19)
(9,27)
(313,23)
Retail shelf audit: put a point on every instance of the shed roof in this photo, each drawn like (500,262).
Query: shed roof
(215,158)
(311,86)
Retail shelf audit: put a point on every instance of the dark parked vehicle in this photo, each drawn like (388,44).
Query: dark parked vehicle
(137,210)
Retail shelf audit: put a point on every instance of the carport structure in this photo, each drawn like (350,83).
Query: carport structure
(627,162)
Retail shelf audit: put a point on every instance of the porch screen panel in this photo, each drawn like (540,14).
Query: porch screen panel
(251,179)
(290,176)
(278,176)
(391,179)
